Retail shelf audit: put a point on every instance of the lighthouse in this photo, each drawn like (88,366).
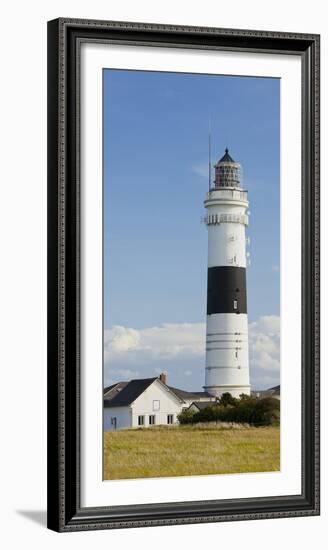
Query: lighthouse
(227,365)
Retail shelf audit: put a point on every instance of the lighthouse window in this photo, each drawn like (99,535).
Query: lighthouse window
(235,304)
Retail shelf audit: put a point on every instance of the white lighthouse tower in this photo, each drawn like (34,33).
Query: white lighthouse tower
(227,368)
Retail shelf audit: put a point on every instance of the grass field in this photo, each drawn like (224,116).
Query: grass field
(167,451)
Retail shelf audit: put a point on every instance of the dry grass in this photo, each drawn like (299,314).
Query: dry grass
(166,451)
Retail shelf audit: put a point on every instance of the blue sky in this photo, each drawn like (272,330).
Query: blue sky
(155,178)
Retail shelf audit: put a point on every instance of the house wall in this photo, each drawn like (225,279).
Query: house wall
(145,405)
(123,418)
(193,408)
(187,402)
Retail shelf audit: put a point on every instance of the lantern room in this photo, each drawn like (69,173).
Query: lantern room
(227,172)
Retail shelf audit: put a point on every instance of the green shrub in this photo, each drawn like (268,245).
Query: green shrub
(227,399)
(247,409)
(186,417)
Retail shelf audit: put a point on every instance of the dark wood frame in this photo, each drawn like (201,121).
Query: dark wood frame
(64,40)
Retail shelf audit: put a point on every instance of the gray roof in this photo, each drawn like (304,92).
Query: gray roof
(109,388)
(203,404)
(129,392)
(188,394)
(111,391)
(266,393)
(123,394)
(275,389)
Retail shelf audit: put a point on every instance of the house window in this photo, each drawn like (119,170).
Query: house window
(170,418)
(156,405)
(141,420)
(235,304)
(152,420)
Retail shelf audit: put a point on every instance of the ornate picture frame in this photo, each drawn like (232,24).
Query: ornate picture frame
(65,511)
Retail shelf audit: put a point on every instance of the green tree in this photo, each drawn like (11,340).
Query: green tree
(227,399)
(186,417)
(245,397)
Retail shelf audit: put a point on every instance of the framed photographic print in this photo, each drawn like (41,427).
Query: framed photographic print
(183,274)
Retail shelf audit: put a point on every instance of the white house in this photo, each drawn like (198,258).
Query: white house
(271,392)
(146,402)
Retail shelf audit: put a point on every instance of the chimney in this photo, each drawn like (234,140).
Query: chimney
(162,377)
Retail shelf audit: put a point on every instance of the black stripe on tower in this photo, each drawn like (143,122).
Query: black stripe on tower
(226,290)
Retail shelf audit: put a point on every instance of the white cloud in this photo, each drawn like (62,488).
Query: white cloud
(200,169)
(264,351)
(166,340)
(171,347)
(120,339)
(126,374)
(179,349)
(266,325)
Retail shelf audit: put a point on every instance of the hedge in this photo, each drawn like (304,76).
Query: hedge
(249,410)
